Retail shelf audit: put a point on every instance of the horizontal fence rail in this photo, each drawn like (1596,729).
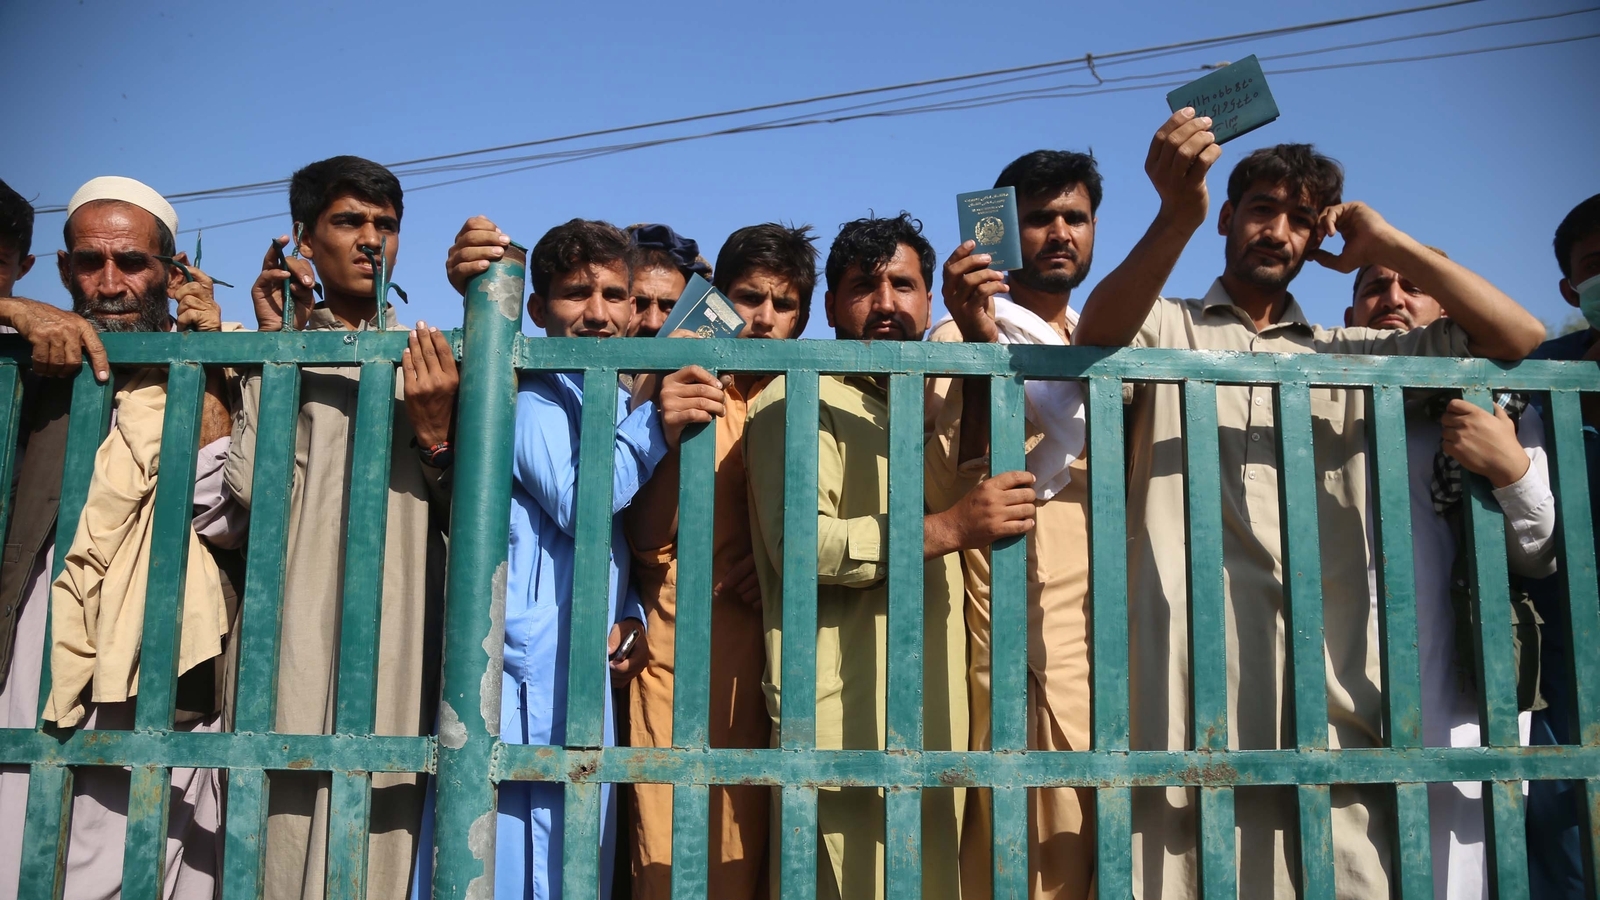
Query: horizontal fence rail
(468,760)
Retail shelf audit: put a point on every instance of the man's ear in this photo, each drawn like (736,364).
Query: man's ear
(1567,292)
(301,242)
(22,269)
(536,309)
(1225,218)
(827,307)
(1349,316)
(64,267)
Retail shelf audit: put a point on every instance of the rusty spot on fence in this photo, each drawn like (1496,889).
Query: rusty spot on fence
(583,771)
(1215,774)
(302,763)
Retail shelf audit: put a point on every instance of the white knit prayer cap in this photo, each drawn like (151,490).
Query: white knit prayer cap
(126,190)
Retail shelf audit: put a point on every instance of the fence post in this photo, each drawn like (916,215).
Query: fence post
(475,594)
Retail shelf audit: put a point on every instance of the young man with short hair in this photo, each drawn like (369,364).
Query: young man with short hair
(771,270)
(1443,438)
(1058,194)
(580,288)
(879,273)
(344,206)
(1282,202)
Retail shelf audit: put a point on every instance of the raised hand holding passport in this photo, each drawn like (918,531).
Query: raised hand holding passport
(968,285)
(1181,153)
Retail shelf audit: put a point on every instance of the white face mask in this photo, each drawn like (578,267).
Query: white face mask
(1589,300)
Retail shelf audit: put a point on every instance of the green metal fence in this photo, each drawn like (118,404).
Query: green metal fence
(469,760)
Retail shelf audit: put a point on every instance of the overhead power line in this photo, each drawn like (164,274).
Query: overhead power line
(1088,62)
(1051,92)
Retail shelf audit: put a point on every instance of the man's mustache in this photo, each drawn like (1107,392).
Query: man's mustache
(1058,250)
(1271,250)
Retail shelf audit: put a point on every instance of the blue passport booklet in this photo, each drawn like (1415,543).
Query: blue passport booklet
(989,219)
(703,310)
(1236,98)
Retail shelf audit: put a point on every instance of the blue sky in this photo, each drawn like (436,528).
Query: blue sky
(1481,155)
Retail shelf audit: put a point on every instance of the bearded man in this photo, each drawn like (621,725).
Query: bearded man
(1058,194)
(1282,202)
(116,233)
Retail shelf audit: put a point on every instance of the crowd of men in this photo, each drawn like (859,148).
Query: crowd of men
(591,279)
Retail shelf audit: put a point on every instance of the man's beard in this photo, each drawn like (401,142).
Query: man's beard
(152,310)
(1054,282)
(1259,275)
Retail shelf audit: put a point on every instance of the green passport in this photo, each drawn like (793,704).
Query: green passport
(703,310)
(989,219)
(1236,98)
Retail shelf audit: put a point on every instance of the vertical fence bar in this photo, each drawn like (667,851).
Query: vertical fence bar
(1497,678)
(365,529)
(1219,871)
(255,706)
(1208,636)
(49,815)
(475,592)
(691,684)
(903,806)
(1397,628)
(1570,481)
(46,827)
(580,850)
(1505,832)
(588,677)
(587,674)
(797,725)
(1302,565)
(691,845)
(10,419)
(905,629)
(272,484)
(1302,595)
(798,838)
(1397,613)
(1108,573)
(245,831)
(169,551)
(1008,655)
(144,858)
(87,424)
(361,622)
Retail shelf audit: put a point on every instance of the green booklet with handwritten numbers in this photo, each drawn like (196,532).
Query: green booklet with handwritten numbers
(1236,98)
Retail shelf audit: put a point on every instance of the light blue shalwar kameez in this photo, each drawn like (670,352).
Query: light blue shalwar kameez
(538,615)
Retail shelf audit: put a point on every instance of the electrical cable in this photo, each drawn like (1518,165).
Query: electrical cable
(1086,61)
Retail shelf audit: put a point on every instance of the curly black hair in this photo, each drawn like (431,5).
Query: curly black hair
(871,243)
(579,242)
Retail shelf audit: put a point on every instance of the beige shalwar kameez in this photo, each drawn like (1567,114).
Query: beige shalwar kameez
(1061,850)
(408,655)
(1259,716)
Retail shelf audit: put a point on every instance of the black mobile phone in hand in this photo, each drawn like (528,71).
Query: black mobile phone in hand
(626,647)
